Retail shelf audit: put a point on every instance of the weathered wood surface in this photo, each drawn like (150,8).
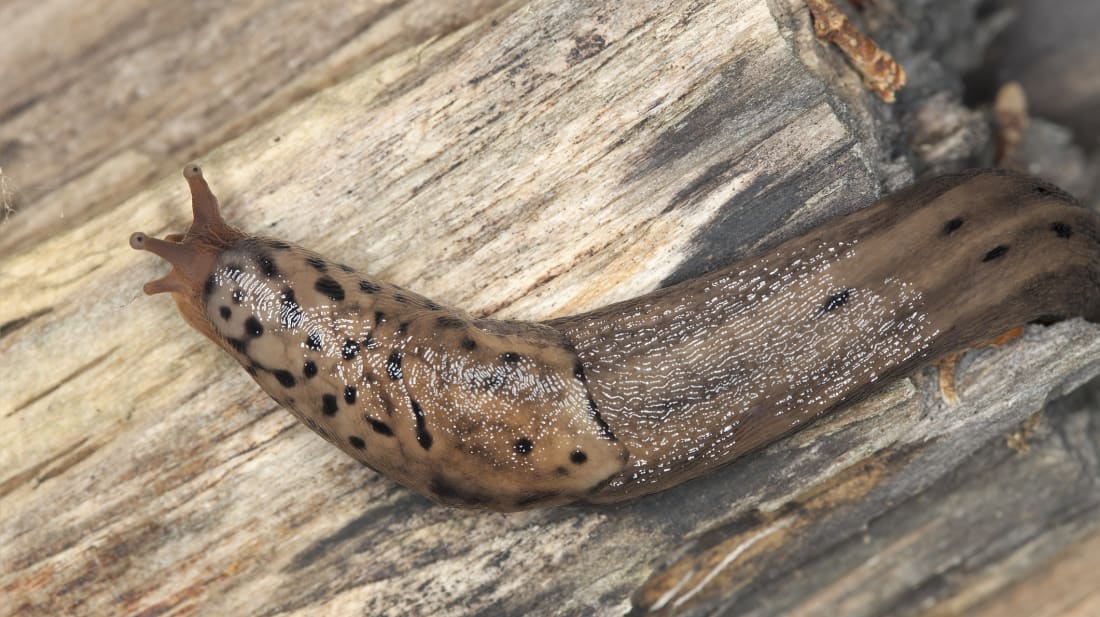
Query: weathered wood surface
(102,97)
(551,157)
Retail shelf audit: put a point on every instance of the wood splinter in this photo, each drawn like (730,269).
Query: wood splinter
(881,73)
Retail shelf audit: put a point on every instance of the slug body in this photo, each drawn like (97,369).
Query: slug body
(638,396)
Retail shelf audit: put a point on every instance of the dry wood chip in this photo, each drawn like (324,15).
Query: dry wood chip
(881,73)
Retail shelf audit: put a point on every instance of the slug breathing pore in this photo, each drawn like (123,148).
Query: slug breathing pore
(642,395)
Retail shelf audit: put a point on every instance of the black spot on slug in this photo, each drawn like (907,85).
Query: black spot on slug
(267,267)
(345,268)
(432,306)
(225,313)
(379,426)
(379,317)
(393,365)
(238,296)
(1061,229)
(402,329)
(836,300)
(996,252)
(285,378)
(952,225)
(328,286)
(450,493)
(494,381)
(349,395)
(422,436)
(209,286)
(290,312)
(1042,190)
(369,342)
(446,322)
(443,489)
(253,327)
(536,497)
(278,245)
(328,405)
(578,372)
(368,287)
(317,263)
(523,446)
(350,350)
(578,457)
(309,369)
(469,344)
(605,430)
(314,342)
(357,442)
(401,298)
(510,357)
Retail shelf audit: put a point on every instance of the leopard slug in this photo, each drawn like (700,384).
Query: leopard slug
(642,395)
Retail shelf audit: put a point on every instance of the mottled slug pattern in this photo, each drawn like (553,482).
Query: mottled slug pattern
(638,396)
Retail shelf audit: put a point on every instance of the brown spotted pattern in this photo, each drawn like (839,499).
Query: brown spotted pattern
(445,404)
(642,395)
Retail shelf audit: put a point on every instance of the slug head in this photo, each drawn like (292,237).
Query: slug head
(192,254)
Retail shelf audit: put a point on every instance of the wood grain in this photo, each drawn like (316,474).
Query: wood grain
(94,88)
(547,158)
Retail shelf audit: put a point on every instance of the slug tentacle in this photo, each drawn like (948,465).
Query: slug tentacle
(639,396)
(187,264)
(204,205)
(191,254)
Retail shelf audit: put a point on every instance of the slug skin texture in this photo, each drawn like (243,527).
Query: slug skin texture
(639,396)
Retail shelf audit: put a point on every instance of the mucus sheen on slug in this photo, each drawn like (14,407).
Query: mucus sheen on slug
(638,396)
